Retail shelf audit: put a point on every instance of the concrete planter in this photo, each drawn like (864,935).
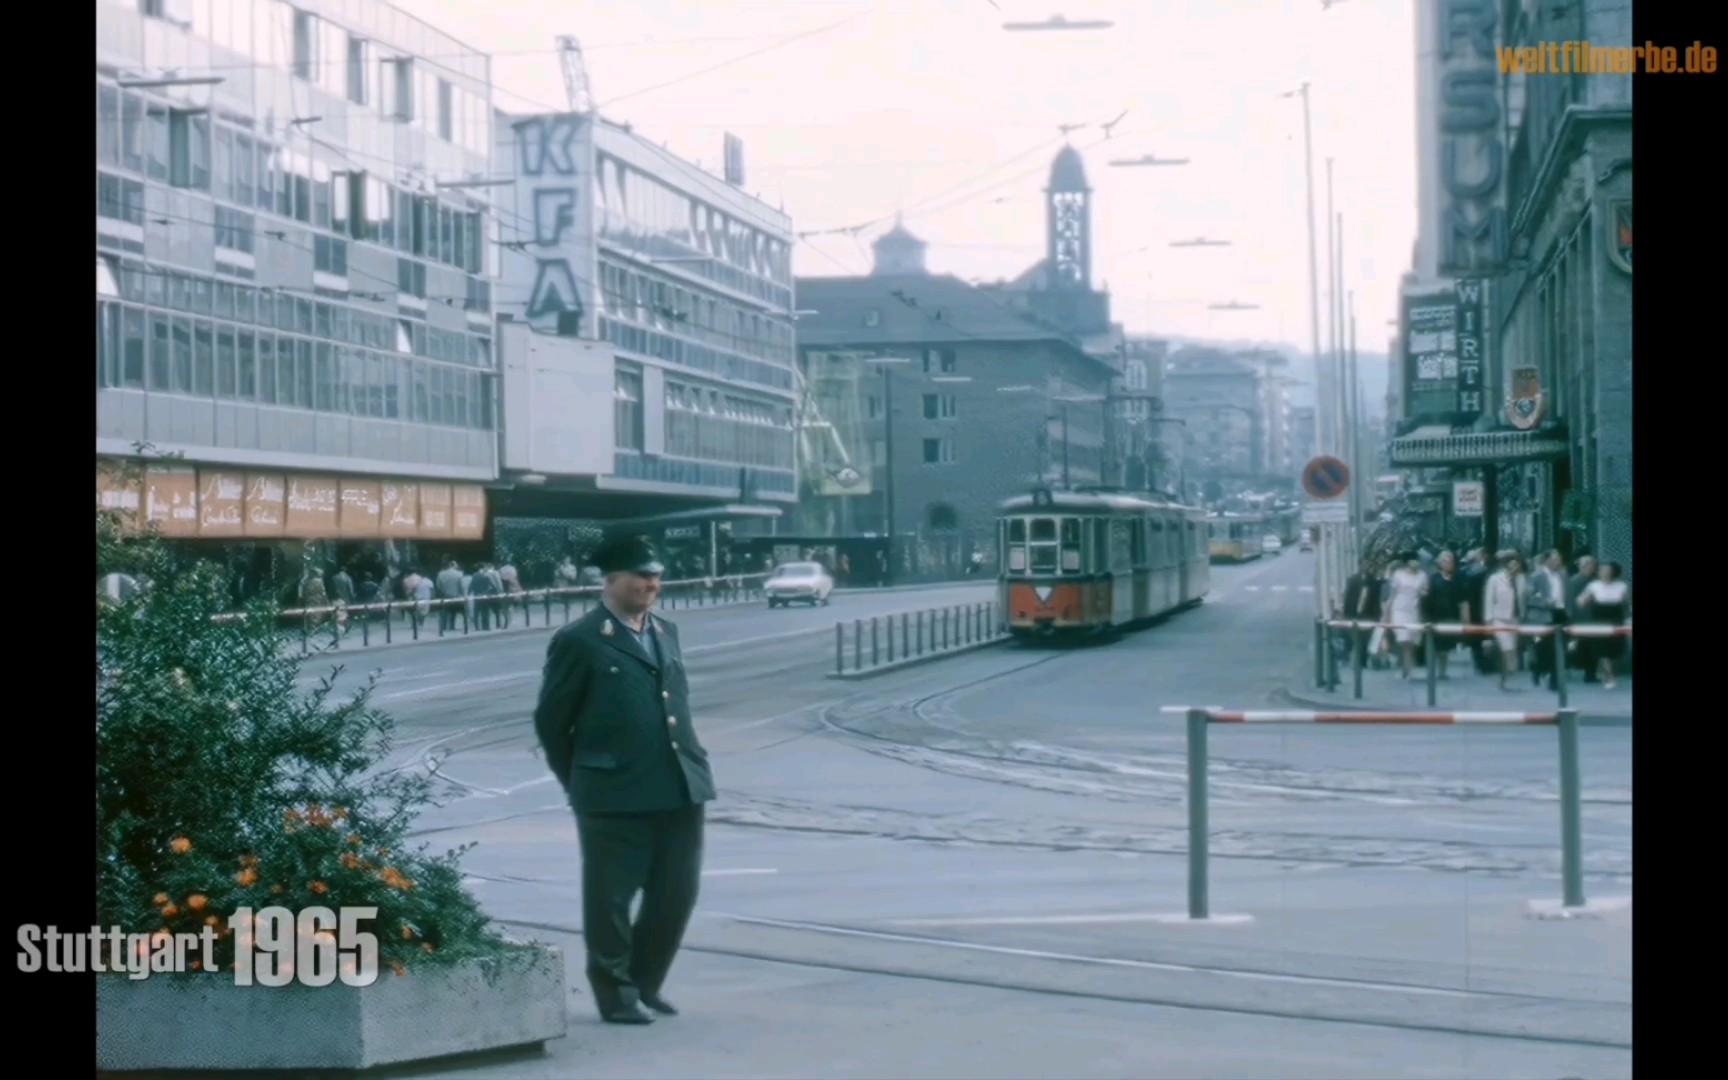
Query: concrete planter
(205,1022)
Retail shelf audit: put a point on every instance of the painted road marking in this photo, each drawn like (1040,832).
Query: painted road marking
(1251,588)
(1305,588)
(1102,961)
(738,872)
(1280,588)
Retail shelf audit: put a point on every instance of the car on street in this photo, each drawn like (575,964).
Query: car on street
(798,583)
(1271,545)
(1307,540)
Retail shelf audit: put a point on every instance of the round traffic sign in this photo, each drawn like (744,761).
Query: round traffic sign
(1325,477)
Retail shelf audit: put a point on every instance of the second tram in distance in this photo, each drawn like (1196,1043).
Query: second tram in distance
(1087,563)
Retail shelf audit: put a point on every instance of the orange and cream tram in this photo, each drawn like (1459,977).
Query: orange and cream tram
(1082,562)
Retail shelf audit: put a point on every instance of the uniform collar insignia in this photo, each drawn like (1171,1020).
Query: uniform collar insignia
(606,628)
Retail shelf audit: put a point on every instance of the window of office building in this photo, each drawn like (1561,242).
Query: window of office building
(939,407)
(627,410)
(938,451)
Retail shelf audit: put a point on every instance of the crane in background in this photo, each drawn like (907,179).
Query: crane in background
(576,86)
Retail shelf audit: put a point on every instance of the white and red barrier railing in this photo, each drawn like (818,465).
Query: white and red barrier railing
(1561,636)
(1199,833)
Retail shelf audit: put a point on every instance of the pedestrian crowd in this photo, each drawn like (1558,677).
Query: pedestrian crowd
(1432,586)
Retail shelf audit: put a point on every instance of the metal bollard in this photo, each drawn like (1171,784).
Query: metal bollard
(875,644)
(1433,657)
(905,636)
(365,628)
(920,633)
(1571,811)
(857,644)
(839,648)
(1560,663)
(1361,652)
(1319,654)
(1198,833)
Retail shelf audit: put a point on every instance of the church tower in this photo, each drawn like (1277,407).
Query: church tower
(1068,209)
(1063,293)
(898,253)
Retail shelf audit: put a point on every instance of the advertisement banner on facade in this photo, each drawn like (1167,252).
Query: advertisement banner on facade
(1468,498)
(1430,356)
(217,503)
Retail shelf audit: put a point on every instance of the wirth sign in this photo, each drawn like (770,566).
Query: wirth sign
(1472,156)
(1472,343)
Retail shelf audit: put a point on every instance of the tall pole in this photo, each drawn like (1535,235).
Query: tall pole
(1346,394)
(1359,446)
(1334,553)
(1322,588)
(888,452)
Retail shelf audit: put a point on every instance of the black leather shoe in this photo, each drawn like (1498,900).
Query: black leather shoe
(659,1004)
(626,1014)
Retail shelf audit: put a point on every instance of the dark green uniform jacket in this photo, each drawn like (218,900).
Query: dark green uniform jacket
(615,721)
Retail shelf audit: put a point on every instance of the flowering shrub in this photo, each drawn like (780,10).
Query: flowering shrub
(222,784)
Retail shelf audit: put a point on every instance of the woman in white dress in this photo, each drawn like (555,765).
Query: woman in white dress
(1607,601)
(1503,604)
(1404,611)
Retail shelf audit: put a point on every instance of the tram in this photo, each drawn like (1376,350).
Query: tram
(1235,538)
(1078,563)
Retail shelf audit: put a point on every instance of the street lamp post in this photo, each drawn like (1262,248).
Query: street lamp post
(884,365)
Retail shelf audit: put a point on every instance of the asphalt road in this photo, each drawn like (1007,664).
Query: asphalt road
(970,868)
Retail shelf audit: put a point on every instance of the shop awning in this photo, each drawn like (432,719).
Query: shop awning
(1442,447)
(730,512)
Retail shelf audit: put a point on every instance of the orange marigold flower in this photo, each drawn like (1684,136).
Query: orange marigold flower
(354,839)
(290,815)
(427,946)
(169,911)
(350,860)
(180,845)
(211,920)
(160,899)
(197,901)
(396,966)
(197,965)
(319,887)
(393,878)
(407,934)
(340,813)
(276,890)
(248,860)
(247,876)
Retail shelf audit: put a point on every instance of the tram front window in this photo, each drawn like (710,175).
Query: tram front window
(1070,545)
(1044,545)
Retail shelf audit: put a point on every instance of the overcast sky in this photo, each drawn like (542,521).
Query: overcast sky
(851,111)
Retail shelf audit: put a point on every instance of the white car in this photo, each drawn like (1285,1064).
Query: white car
(1271,545)
(798,582)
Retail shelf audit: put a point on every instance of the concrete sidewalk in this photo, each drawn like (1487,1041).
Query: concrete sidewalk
(1464,691)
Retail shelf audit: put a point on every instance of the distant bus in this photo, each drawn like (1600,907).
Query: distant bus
(1235,537)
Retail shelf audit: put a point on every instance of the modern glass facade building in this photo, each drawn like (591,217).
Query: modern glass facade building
(688,281)
(291,274)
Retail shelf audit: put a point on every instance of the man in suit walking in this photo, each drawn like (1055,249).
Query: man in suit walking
(614,720)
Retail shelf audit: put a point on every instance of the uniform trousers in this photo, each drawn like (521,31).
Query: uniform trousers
(659,855)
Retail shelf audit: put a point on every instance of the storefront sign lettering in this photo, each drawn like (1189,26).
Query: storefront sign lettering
(1472,156)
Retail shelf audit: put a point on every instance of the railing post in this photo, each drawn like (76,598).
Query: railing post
(389,620)
(857,644)
(1432,649)
(1361,654)
(905,636)
(839,648)
(875,644)
(1571,812)
(365,628)
(1198,832)
(920,633)
(1319,654)
(1560,663)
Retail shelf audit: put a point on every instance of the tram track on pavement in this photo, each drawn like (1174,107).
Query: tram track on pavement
(1188,986)
(1149,780)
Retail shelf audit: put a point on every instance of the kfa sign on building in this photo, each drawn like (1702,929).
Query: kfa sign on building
(546,222)
(1472,150)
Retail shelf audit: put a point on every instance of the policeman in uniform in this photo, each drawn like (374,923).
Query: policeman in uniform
(614,720)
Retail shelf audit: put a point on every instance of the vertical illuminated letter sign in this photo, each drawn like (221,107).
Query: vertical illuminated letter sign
(546,143)
(1472,158)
